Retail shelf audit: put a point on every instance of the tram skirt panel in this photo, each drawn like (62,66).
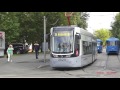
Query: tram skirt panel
(66,62)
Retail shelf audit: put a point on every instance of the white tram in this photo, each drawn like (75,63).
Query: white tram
(72,46)
(2,43)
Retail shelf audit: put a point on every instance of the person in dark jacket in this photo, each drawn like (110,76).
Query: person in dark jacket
(36,48)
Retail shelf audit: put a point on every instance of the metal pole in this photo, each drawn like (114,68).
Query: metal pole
(68,20)
(44,39)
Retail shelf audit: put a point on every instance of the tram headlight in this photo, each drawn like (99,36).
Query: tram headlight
(55,55)
(68,55)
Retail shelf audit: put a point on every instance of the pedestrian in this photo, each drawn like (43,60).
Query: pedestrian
(36,48)
(10,53)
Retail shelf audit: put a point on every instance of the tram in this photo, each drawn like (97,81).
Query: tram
(71,46)
(2,43)
(112,45)
(99,45)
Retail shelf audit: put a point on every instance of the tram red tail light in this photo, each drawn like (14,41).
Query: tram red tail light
(76,52)
(1,35)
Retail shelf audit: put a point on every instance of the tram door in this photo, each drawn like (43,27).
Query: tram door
(77,44)
(2,43)
(93,51)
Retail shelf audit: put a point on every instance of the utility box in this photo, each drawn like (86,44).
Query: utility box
(46,47)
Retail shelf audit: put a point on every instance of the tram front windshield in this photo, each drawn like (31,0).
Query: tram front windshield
(112,43)
(98,43)
(62,41)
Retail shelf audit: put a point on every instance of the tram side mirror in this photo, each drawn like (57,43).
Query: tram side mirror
(78,36)
(51,35)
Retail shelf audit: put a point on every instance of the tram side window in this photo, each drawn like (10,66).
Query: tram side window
(116,42)
(94,48)
(107,43)
(77,44)
(0,42)
(87,48)
(90,47)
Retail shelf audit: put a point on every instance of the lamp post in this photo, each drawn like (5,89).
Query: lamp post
(44,39)
(46,35)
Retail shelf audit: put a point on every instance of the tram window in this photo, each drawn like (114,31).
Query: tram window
(76,39)
(93,47)
(116,42)
(98,43)
(90,47)
(77,49)
(0,42)
(107,43)
(112,43)
(87,47)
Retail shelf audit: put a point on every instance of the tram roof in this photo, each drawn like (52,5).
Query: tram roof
(112,39)
(99,40)
(64,26)
(83,31)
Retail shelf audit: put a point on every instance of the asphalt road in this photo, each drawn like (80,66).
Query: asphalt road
(26,66)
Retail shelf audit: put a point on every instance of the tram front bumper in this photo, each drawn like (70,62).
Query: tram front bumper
(65,62)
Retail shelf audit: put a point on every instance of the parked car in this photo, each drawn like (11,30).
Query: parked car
(19,48)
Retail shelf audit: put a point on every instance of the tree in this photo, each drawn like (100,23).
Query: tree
(31,24)
(102,34)
(10,25)
(27,26)
(80,19)
(116,27)
(21,26)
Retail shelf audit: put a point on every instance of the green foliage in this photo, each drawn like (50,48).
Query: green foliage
(79,19)
(29,26)
(102,34)
(116,27)
(9,23)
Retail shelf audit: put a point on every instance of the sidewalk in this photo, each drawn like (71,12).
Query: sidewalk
(28,58)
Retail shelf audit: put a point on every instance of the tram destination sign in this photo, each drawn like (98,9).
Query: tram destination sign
(62,34)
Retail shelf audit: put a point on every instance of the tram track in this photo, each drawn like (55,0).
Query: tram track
(84,75)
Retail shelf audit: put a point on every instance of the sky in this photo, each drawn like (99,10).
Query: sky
(98,20)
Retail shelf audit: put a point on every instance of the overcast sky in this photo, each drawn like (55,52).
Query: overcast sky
(98,20)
